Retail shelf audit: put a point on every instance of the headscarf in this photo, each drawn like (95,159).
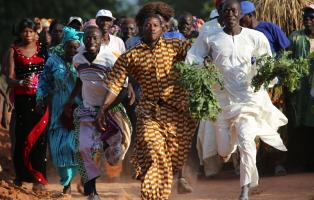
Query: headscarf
(71,34)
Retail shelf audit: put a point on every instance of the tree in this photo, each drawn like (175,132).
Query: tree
(11,12)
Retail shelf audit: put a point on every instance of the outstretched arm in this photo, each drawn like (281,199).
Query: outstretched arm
(198,51)
(115,81)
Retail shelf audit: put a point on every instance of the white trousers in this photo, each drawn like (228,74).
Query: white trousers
(206,148)
(241,133)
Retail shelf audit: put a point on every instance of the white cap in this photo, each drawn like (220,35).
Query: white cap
(105,13)
(75,18)
(213,14)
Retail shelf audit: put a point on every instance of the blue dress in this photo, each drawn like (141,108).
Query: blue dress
(57,82)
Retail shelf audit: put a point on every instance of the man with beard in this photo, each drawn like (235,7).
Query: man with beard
(245,113)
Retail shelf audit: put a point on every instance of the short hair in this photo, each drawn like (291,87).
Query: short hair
(54,24)
(186,14)
(158,7)
(25,23)
(92,28)
(228,2)
(128,20)
(153,16)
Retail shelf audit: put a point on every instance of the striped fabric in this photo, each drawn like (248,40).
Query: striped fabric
(165,128)
(91,142)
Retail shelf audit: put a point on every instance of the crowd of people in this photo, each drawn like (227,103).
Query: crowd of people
(92,91)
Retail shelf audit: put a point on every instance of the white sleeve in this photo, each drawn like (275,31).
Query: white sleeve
(122,46)
(198,51)
(262,46)
(123,50)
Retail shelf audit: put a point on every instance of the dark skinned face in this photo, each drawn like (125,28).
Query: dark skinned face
(57,33)
(128,30)
(231,14)
(185,25)
(104,23)
(70,48)
(308,19)
(76,25)
(246,21)
(28,35)
(152,30)
(92,41)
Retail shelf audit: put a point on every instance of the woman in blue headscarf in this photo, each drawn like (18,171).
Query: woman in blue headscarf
(55,85)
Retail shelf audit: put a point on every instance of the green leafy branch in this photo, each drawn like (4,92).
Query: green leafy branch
(199,81)
(288,71)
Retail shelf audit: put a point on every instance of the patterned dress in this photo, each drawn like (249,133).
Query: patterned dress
(56,83)
(165,127)
(29,126)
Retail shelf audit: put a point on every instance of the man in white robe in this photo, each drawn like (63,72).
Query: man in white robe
(245,113)
(206,138)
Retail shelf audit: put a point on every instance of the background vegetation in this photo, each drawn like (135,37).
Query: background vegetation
(11,11)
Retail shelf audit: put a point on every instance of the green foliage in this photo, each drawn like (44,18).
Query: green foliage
(289,71)
(11,12)
(199,81)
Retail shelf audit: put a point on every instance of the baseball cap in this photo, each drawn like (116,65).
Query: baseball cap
(213,14)
(105,13)
(89,23)
(71,19)
(247,7)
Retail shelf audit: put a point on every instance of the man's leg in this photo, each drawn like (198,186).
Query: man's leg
(180,143)
(247,148)
(152,160)
(210,164)
(89,144)
(225,144)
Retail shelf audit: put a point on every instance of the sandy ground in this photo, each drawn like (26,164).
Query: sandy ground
(299,186)
(225,187)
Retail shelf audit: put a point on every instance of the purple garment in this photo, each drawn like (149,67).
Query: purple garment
(91,142)
(276,37)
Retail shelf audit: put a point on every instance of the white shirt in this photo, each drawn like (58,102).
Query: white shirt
(93,75)
(232,56)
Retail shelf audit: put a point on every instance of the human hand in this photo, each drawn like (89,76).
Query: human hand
(25,82)
(31,81)
(100,121)
(131,94)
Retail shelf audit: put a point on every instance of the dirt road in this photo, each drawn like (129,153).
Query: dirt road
(226,187)
(298,186)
